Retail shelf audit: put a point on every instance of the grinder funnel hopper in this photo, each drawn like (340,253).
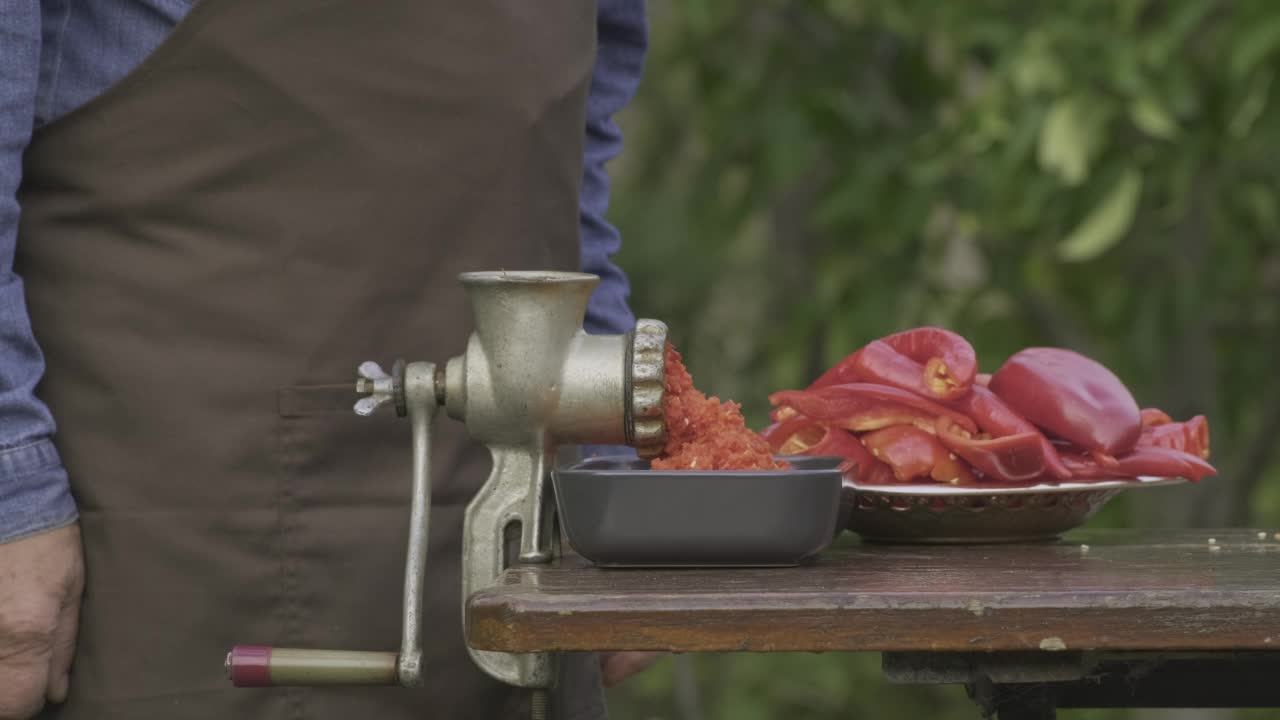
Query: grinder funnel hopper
(526,325)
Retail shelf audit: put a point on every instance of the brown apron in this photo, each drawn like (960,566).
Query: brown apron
(282,190)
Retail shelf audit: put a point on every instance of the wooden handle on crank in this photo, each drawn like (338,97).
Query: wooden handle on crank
(256,666)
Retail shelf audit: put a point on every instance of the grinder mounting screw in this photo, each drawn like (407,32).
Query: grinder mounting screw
(538,705)
(380,388)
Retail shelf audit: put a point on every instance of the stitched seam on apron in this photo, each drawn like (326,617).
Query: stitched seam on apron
(288,464)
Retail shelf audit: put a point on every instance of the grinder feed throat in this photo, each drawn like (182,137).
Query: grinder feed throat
(530,380)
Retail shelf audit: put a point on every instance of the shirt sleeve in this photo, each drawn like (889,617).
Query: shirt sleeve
(34,493)
(622,41)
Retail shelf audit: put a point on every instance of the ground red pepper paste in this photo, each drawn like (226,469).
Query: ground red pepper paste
(704,433)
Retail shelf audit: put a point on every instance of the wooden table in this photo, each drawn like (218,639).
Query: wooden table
(989,616)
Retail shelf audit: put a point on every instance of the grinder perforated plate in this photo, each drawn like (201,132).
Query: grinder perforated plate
(616,512)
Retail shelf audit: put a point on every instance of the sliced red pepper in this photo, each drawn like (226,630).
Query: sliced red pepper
(1084,467)
(866,406)
(932,362)
(1106,460)
(1153,416)
(878,362)
(842,443)
(999,420)
(950,362)
(1142,462)
(1162,462)
(781,413)
(1097,458)
(1016,458)
(792,434)
(990,413)
(1072,397)
(842,373)
(800,435)
(867,469)
(1191,436)
(914,454)
(883,417)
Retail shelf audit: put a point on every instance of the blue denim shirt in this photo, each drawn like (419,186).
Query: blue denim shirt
(57,54)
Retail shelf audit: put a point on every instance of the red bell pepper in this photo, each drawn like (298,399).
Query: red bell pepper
(1142,462)
(914,454)
(997,419)
(1097,457)
(842,373)
(868,470)
(799,435)
(1103,459)
(1016,458)
(1070,396)
(990,413)
(841,443)
(865,406)
(794,436)
(1154,461)
(929,361)
(1191,436)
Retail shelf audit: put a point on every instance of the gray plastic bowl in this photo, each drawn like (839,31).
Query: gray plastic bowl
(616,512)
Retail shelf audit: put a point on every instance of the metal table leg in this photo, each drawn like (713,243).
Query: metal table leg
(1019,701)
(1031,686)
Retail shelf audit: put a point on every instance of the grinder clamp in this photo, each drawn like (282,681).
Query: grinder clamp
(530,380)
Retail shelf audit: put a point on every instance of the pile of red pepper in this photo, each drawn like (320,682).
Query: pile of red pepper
(913,408)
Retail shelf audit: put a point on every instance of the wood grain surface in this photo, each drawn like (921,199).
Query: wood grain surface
(1104,590)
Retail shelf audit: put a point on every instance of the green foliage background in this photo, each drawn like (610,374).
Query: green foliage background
(803,176)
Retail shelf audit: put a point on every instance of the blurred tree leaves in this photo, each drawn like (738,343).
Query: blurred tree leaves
(1106,223)
(1072,134)
(802,176)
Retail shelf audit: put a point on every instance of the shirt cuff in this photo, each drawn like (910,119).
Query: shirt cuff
(35,495)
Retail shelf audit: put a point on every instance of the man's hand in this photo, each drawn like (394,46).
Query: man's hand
(41,578)
(618,666)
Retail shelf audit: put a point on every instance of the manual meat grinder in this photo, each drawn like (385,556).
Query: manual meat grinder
(530,380)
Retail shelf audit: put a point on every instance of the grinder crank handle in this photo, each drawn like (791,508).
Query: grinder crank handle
(254,666)
(412,390)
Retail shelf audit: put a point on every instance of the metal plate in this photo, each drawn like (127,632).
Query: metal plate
(948,514)
(618,513)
